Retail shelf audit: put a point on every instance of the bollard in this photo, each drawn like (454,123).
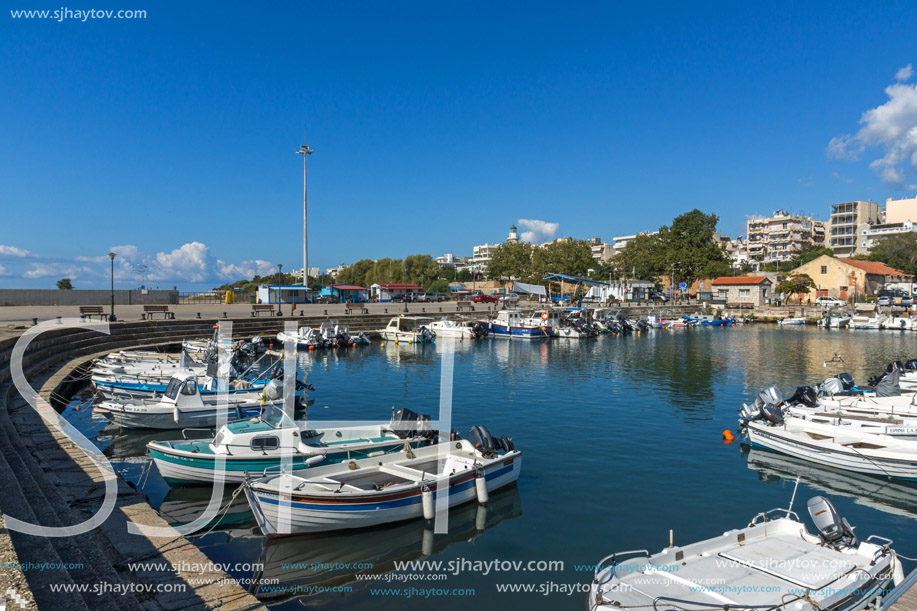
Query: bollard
(224,315)
(326,312)
(59,320)
(34,322)
(424,310)
(301,313)
(386,310)
(142,316)
(198,315)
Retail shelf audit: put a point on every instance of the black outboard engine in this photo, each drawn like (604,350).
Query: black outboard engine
(805,395)
(427,334)
(772,413)
(485,443)
(911,365)
(832,528)
(407,423)
(847,380)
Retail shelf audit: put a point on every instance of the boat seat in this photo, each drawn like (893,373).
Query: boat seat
(792,560)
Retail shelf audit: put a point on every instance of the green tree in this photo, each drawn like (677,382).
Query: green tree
(511,261)
(644,257)
(357,273)
(796,284)
(463,275)
(572,257)
(604,271)
(689,245)
(898,251)
(64,284)
(438,286)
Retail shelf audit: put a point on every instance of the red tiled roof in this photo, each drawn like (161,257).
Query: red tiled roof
(740,280)
(347,287)
(876,268)
(397,285)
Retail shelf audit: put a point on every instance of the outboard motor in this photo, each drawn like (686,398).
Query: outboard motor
(832,528)
(772,413)
(769,395)
(273,391)
(427,334)
(484,442)
(847,380)
(407,423)
(831,386)
(911,365)
(805,395)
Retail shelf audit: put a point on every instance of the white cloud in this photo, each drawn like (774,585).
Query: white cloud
(841,178)
(12,251)
(537,232)
(891,127)
(246,269)
(54,269)
(808,181)
(2,271)
(904,74)
(190,262)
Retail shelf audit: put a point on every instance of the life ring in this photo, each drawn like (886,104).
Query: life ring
(544,316)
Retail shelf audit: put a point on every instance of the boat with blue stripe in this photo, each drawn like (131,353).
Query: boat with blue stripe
(515,324)
(390,488)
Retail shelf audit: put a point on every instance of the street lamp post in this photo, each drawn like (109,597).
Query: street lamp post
(305,151)
(111,316)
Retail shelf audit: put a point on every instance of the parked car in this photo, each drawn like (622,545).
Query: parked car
(509,298)
(885,301)
(829,301)
(484,299)
(423,298)
(907,301)
(658,297)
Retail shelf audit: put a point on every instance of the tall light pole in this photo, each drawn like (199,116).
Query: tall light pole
(305,151)
(111,316)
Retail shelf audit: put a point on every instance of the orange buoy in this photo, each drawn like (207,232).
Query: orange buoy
(727,437)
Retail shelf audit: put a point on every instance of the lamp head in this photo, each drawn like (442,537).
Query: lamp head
(112,256)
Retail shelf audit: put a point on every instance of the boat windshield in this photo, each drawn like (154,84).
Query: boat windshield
(172,389)
(275,417)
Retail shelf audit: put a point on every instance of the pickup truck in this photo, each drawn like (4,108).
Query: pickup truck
(484,299)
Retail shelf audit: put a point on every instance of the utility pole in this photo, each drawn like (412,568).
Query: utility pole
(305,151)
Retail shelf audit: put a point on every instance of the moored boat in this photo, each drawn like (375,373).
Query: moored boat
(409,329)
(384,489)
(516,325)
(773,563)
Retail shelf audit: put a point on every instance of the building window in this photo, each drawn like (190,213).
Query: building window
(744,292)
(824,269)
(723,293)
(843,288)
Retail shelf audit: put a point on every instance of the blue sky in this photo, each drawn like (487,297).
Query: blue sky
(436,125)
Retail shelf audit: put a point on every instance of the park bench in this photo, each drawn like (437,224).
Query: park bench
(350,307)
(741,306)
(461,305)
(90,311)
(149,310)
(257,308)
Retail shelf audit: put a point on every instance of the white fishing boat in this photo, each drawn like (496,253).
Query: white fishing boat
(264,442)
(304,337)
(182,405)
(384,489)
(408,329)
(792,321)
(657,323)
(835,321)
(834,446)
(899,323)
(458,330)
(547,320)
(773,563)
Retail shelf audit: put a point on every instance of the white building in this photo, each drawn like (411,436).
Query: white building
(845,224)
(868,235)
(601,251)
(483,253)
(619,242)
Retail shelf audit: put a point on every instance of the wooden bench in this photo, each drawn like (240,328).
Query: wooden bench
(741,306)
(149,310)
(257,308)
(90,311)
(461,305)
(349,308)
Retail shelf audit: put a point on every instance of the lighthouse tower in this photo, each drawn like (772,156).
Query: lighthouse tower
(513,237)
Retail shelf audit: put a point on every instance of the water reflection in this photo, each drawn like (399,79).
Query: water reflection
(876,493)
(295,566)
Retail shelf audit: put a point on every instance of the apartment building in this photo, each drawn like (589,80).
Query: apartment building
(601,251)
(847,219)
(781,236)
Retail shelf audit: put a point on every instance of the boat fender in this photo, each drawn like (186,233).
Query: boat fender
(352,465)
(480,485)
(426,546)
(315,460)
(426,499)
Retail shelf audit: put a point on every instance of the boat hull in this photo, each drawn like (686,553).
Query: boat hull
(314,515)
(778,439)
(514,332)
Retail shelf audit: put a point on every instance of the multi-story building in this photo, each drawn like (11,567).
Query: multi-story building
(601,251)
(845,222)
(621,241)
(483,253)
(901,210)
(868,235)
(780,237)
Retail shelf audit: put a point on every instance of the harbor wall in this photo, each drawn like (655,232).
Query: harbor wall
(56,297)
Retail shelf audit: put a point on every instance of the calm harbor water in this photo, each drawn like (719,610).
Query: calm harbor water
(621,439)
